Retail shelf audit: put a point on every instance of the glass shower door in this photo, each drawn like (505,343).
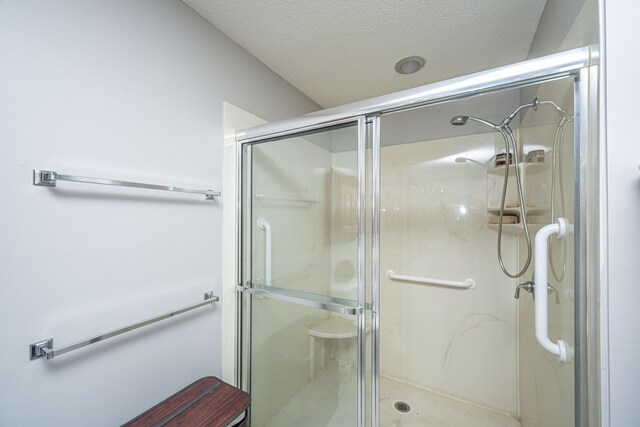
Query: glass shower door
(303,292)
(457,346)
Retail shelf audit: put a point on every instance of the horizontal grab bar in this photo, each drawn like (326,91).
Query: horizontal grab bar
(465,284)
(45,348)
(44,178)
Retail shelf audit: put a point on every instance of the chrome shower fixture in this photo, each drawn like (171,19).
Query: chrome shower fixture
(459,120)
(509,139)
(463,120)
(533,105)
(507,135)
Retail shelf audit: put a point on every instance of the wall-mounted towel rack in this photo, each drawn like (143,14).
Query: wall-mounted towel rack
(285,199)
(45,348)
(465,284)
(45,178)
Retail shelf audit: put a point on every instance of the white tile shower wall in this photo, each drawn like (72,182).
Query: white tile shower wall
(460,343)
(130,90)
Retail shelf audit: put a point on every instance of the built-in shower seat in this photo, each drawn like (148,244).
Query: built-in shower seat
(336,327)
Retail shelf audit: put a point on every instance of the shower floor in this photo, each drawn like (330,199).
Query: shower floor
(432,409)
(318,404)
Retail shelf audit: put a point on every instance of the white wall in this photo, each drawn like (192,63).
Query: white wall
(555,22)
(134,91)
(564,25)
(622,94)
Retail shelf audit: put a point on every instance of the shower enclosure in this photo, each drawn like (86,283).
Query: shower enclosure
(388,275)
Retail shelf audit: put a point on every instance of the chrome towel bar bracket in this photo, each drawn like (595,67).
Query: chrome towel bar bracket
(44,178)
(44,348)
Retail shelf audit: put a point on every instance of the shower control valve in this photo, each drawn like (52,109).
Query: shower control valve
(527,286)
(551,290)
(530,287)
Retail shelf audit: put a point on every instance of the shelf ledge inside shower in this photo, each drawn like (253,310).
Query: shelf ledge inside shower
(517,229)
(534,176)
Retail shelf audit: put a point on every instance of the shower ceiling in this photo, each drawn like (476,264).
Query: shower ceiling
(339,51)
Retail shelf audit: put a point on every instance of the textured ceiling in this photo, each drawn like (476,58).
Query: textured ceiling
(339,51)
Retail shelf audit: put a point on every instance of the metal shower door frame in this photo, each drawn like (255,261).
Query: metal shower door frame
(244,289)
(581,64)
(589,249)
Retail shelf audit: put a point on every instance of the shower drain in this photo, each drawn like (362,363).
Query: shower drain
(402,407)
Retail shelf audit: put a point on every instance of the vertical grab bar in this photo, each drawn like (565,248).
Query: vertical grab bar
(561,349)
(263,224)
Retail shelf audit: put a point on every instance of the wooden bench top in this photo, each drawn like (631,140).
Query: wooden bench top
(207,402)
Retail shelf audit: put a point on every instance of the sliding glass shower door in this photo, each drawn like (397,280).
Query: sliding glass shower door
(303,290)
(459,336)
(450,344)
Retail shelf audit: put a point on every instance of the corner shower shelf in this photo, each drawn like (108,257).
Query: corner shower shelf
(513,229)
(531,211)
(533,168)
(534,180)
(516,229)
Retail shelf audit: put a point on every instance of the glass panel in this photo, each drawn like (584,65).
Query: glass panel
(303,364)
(300,216)
(470,356)
(546,386)
(304,217)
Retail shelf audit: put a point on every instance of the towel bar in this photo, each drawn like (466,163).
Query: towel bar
(44,348)
(44,178)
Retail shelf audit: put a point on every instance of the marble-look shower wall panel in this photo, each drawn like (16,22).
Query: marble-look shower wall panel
(344,236)
(283,172)
(434,224)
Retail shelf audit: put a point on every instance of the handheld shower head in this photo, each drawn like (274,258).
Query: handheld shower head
(463,120)
(459,120)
